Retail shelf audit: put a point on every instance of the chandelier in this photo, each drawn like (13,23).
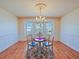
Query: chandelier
(40,6)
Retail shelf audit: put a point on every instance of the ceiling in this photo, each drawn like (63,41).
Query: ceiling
(27,7)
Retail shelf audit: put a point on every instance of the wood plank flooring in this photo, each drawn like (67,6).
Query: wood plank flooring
(62,51)
(17,51)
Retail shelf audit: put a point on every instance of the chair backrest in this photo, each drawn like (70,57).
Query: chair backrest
(50,41)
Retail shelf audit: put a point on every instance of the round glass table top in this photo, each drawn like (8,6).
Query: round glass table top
(39,39)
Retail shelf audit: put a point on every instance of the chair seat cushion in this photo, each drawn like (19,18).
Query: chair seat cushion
(46,44)
(33,43)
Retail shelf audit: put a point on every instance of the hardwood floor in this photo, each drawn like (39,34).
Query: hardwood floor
(62,51)
(17,51)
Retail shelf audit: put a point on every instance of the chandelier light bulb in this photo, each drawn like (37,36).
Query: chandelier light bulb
(40,6)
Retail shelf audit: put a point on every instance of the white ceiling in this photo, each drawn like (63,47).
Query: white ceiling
(27,7)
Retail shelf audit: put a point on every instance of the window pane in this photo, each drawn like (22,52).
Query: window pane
(28,29)
(29,26)
(49,27)
(35,28)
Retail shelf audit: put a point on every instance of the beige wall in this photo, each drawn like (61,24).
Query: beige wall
(21,28)
(57,29)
